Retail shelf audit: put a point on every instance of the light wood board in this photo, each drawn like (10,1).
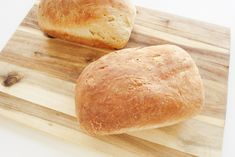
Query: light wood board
(44,97)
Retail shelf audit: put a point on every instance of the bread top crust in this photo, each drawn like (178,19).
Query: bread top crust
(138,88)
(69,13)
(99,23)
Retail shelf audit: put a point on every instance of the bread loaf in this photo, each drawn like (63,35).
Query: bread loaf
(100,23)
(138,88)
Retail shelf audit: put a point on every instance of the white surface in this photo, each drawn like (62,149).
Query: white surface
(229,134)
(16,140)
(20,141)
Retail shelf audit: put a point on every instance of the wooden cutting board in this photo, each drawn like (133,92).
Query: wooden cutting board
(44,96)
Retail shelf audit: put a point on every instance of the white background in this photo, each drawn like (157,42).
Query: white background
(17,140)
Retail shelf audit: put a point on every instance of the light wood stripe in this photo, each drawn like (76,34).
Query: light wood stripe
(210,120)
(184,27)
(170,38)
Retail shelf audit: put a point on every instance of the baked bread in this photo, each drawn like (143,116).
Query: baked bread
(100,23)
(138,88)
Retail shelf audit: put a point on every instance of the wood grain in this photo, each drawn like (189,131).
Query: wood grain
(179,26)
(44,97)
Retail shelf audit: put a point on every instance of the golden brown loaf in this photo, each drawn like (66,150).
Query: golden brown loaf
(138,88)
(101,23)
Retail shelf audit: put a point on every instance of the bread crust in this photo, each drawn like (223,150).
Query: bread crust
(80,40)
(138,88)
(106,22)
